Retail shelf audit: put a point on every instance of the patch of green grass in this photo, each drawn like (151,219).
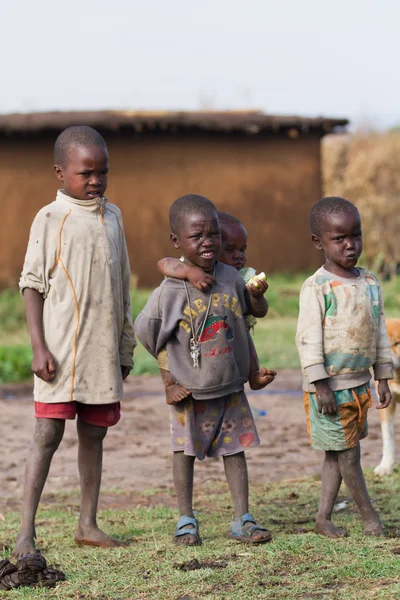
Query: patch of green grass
(391,295)
(138,300)
(12,312)
(297,564)
(15,363)
(275,343)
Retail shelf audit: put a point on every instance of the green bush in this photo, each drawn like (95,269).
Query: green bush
(15,363)
(138,300)
(12,312)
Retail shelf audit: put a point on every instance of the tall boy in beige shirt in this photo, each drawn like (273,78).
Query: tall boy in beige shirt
(75,283)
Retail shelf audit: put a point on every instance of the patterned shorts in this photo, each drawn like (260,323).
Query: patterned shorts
(346,427)
(217,427)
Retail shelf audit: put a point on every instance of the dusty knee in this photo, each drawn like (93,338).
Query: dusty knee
(91,433)
(350,458)
(48,434)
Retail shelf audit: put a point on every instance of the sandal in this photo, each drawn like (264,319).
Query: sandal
(181,529)
(244,534)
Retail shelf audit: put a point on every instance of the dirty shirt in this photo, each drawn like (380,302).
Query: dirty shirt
(77,260)
(165,322)
(341,331)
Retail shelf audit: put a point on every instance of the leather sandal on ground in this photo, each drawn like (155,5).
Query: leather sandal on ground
(244,534)
(182,529)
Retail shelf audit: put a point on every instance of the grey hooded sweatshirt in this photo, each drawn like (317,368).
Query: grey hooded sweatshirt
(224,349)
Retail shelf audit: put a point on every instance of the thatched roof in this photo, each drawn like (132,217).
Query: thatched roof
(250,122)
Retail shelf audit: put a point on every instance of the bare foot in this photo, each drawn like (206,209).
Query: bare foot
(93,536)
(25,544)
(260,379)
(373,527)
(176,393)
(327,528)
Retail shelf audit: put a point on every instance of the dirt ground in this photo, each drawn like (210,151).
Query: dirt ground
(137,455)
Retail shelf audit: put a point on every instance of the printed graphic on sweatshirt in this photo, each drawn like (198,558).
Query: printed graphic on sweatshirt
(197,307)
(212,327)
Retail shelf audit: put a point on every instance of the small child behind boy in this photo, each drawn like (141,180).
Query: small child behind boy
(232,253)
(206,342)
(75,284)
(341,334)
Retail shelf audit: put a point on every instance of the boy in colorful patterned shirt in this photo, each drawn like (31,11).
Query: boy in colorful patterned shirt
(341,334)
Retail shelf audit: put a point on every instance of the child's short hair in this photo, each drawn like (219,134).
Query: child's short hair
(77,135)
(327,206)
(186,205)
(227,219)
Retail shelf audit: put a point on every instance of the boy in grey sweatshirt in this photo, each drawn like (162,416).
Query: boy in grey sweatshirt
(206,342)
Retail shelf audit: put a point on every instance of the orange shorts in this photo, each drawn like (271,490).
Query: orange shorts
(102,415)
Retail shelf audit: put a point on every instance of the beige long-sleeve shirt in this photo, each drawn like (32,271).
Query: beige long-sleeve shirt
(78,260)
(341,331)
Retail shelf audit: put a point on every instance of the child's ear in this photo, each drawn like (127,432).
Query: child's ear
(59,172)
(174,240)
(316,242)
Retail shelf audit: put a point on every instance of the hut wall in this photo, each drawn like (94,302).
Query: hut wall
(269,181)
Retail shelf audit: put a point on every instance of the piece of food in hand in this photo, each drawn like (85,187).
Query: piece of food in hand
(247,273)
(256,278)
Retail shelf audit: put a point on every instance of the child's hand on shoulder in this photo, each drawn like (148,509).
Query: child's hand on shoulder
(384,393)
(325,397)
(44,364)
(259,290)
(200,279)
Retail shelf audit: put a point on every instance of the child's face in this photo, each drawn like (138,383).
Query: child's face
(85,174)
(341,240)
(233,246)
(199,239)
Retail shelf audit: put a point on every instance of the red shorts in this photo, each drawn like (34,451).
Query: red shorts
(102,415)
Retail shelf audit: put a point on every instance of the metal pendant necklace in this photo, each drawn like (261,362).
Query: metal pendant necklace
(195,352)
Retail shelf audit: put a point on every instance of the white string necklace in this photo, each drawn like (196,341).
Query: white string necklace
(195,352)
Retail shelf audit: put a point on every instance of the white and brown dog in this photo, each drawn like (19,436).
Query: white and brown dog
(388,461)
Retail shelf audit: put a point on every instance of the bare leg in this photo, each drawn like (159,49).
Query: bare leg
(350,468)
(236,474)
(47,437)
(183,471)
(90,460)
(331,480)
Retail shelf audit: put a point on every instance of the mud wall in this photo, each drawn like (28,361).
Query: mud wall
(267,181)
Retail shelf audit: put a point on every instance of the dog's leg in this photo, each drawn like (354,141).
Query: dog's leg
(387,463)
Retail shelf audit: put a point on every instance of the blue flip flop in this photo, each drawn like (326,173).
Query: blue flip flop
(182,529)
(242,534)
